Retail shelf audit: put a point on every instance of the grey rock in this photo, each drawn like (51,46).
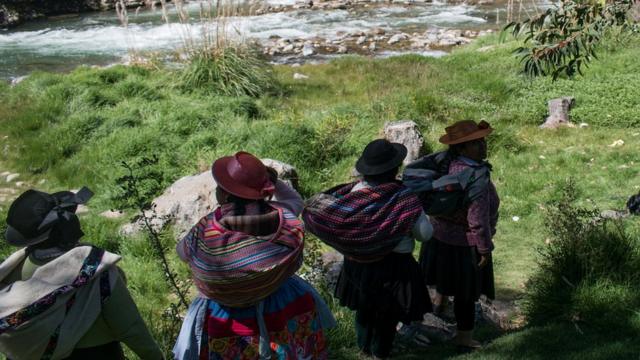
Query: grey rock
(361,40)
(397,38)
(332,262)
(372,46)
(614,214)
(12,177)
(17,80)
(286,172)
(184,203)
(342,49)
(112,214)
(82,209)
(378,31)
(298,76)
(406,133)
(308,50)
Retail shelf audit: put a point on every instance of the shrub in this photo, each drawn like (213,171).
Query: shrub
(588,272)
(232,70)
(5,248)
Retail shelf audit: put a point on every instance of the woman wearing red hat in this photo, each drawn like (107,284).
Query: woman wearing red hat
(458,259)
(243,257)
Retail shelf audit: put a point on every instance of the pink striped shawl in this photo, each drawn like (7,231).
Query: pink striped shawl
(238,269)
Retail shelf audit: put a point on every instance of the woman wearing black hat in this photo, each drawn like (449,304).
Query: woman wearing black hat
(60,299)
(373,223)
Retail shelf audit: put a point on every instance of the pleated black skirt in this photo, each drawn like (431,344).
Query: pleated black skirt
(454,271)
(393,286)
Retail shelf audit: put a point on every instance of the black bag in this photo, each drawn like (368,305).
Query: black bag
(443,193)
(633,204)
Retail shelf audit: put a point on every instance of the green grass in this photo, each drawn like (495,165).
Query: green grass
(75,129)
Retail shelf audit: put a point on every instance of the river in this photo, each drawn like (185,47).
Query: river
(61,44)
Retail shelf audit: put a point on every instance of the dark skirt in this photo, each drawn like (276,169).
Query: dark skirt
(392,286)
(454,271)
(109,351)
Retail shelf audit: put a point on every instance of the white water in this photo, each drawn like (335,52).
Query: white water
(98,38)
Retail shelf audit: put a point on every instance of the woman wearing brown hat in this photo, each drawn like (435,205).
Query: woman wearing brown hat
(458,259)
(373,223)
(60,299)
(243,258)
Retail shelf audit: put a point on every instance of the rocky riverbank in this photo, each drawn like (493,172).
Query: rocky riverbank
(375,41)
(16,12)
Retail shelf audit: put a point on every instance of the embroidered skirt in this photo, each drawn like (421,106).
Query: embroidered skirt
(289,324)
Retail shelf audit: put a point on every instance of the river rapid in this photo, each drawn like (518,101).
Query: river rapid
(316,33)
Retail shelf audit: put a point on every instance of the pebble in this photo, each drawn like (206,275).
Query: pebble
(12,177)
(617,143)
(112,214)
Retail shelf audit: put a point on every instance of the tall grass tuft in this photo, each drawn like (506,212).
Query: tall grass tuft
(233,70)
(589,271)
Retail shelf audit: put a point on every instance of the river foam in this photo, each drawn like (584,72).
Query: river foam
(99,35)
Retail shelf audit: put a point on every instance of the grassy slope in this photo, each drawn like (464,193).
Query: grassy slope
(75,129)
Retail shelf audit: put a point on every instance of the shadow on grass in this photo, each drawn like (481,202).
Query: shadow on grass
(562,341)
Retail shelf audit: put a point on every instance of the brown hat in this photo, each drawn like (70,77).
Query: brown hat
(465,130)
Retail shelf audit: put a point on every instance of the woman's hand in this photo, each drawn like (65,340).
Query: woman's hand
(484,260)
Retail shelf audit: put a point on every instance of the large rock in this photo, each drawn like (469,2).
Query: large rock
(286,172)
(190,198)
(406,133)
(183,204)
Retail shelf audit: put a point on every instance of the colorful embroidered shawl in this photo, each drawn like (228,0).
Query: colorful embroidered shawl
(238,269)
(366,224)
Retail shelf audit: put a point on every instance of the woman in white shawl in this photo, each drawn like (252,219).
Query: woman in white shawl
(60,299)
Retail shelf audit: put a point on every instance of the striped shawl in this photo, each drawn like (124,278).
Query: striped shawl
(237,269)
(364,225)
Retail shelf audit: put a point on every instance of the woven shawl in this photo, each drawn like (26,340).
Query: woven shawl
(238,269)
(364,225)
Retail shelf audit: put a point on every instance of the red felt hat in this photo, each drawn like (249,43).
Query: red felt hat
(243,175)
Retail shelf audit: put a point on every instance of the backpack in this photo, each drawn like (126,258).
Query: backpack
(633,204)
(442,193)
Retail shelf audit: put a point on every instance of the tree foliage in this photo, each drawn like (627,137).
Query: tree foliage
(564,38)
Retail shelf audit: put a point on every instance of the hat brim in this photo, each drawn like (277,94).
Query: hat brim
(479,134)
(15,238)
(365,169)
(228,184)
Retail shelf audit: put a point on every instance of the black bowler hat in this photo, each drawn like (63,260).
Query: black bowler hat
(34,214)
(380,156)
